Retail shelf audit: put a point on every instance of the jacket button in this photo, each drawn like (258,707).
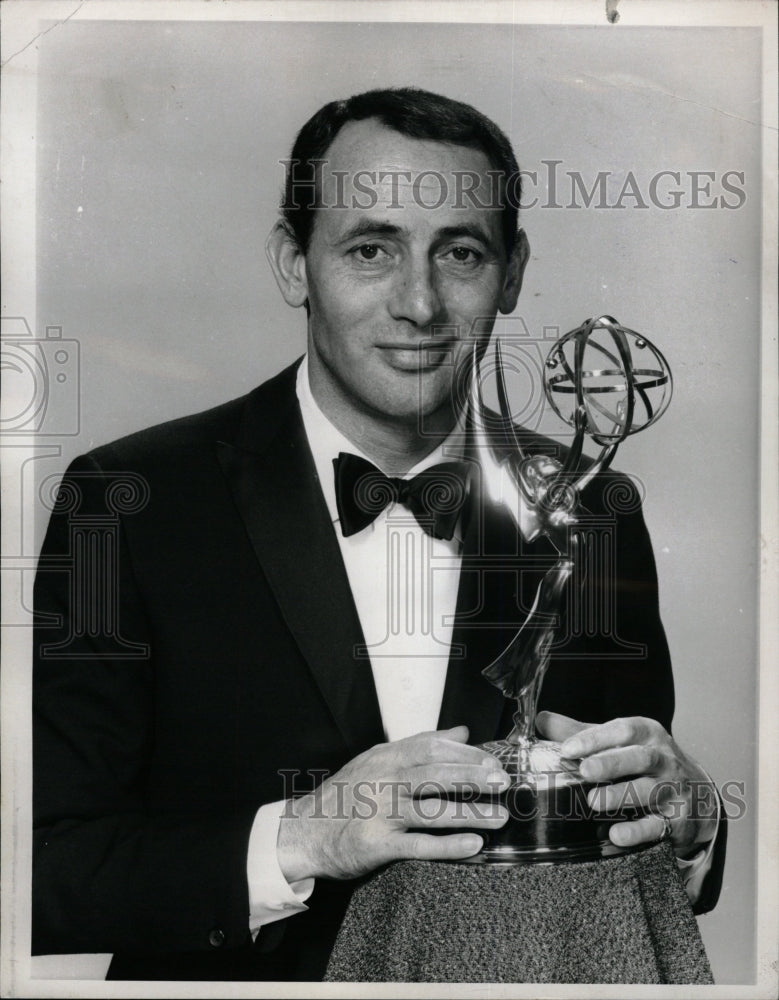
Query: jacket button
(216,937)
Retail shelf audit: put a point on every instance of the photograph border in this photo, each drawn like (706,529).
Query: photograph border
(23,23)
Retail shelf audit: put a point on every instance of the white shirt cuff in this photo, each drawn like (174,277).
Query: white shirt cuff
(271,897)
(695,869)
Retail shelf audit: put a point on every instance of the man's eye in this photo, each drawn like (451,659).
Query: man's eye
(463,255)
(368,251)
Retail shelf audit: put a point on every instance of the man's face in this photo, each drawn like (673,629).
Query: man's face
(397,290)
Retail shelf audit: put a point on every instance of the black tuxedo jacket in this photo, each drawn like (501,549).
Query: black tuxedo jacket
(197,654)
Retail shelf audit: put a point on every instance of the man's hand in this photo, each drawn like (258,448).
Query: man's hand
(645,767)
(371,811)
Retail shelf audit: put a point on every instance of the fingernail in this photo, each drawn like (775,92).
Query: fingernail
(473,844)
(571,748)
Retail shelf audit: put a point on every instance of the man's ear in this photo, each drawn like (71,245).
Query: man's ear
(288,264)
(512,284)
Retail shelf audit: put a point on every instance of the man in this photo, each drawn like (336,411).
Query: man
(253,650)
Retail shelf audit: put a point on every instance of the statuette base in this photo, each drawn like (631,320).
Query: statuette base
(550,820)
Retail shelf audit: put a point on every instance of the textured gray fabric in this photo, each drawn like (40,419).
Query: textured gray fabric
(622,920)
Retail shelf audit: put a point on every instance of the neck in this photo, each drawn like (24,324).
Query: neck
(393,449)
(394,445)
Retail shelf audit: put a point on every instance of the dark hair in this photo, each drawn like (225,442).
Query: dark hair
(416,113)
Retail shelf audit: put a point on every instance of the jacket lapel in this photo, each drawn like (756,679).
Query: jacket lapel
(273,480)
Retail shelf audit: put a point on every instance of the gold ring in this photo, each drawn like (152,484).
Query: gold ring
(666,834)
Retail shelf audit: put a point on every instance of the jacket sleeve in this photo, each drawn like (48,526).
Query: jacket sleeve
(613,659)
(109,873)
(712,881)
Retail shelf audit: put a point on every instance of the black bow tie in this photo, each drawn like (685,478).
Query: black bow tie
(435,496)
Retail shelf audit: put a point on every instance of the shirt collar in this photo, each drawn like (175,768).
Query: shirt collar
(326,442)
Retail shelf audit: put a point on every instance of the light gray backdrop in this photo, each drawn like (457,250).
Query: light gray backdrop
(158,177)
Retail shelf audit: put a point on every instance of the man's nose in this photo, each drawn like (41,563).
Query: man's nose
(415,296)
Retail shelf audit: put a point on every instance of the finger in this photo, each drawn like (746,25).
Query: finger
(439,813)
(460,779)
(636,794)
(639,831)
(457,734)
(428,847)
(430,748)
(615,733)
(557,727)
(621,762)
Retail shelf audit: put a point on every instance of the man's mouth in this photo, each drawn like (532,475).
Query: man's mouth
(422,355)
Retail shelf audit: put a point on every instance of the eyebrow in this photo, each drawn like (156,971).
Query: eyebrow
(465,229)
(368,227)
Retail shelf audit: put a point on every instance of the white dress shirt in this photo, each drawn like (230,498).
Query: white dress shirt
(404,584)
